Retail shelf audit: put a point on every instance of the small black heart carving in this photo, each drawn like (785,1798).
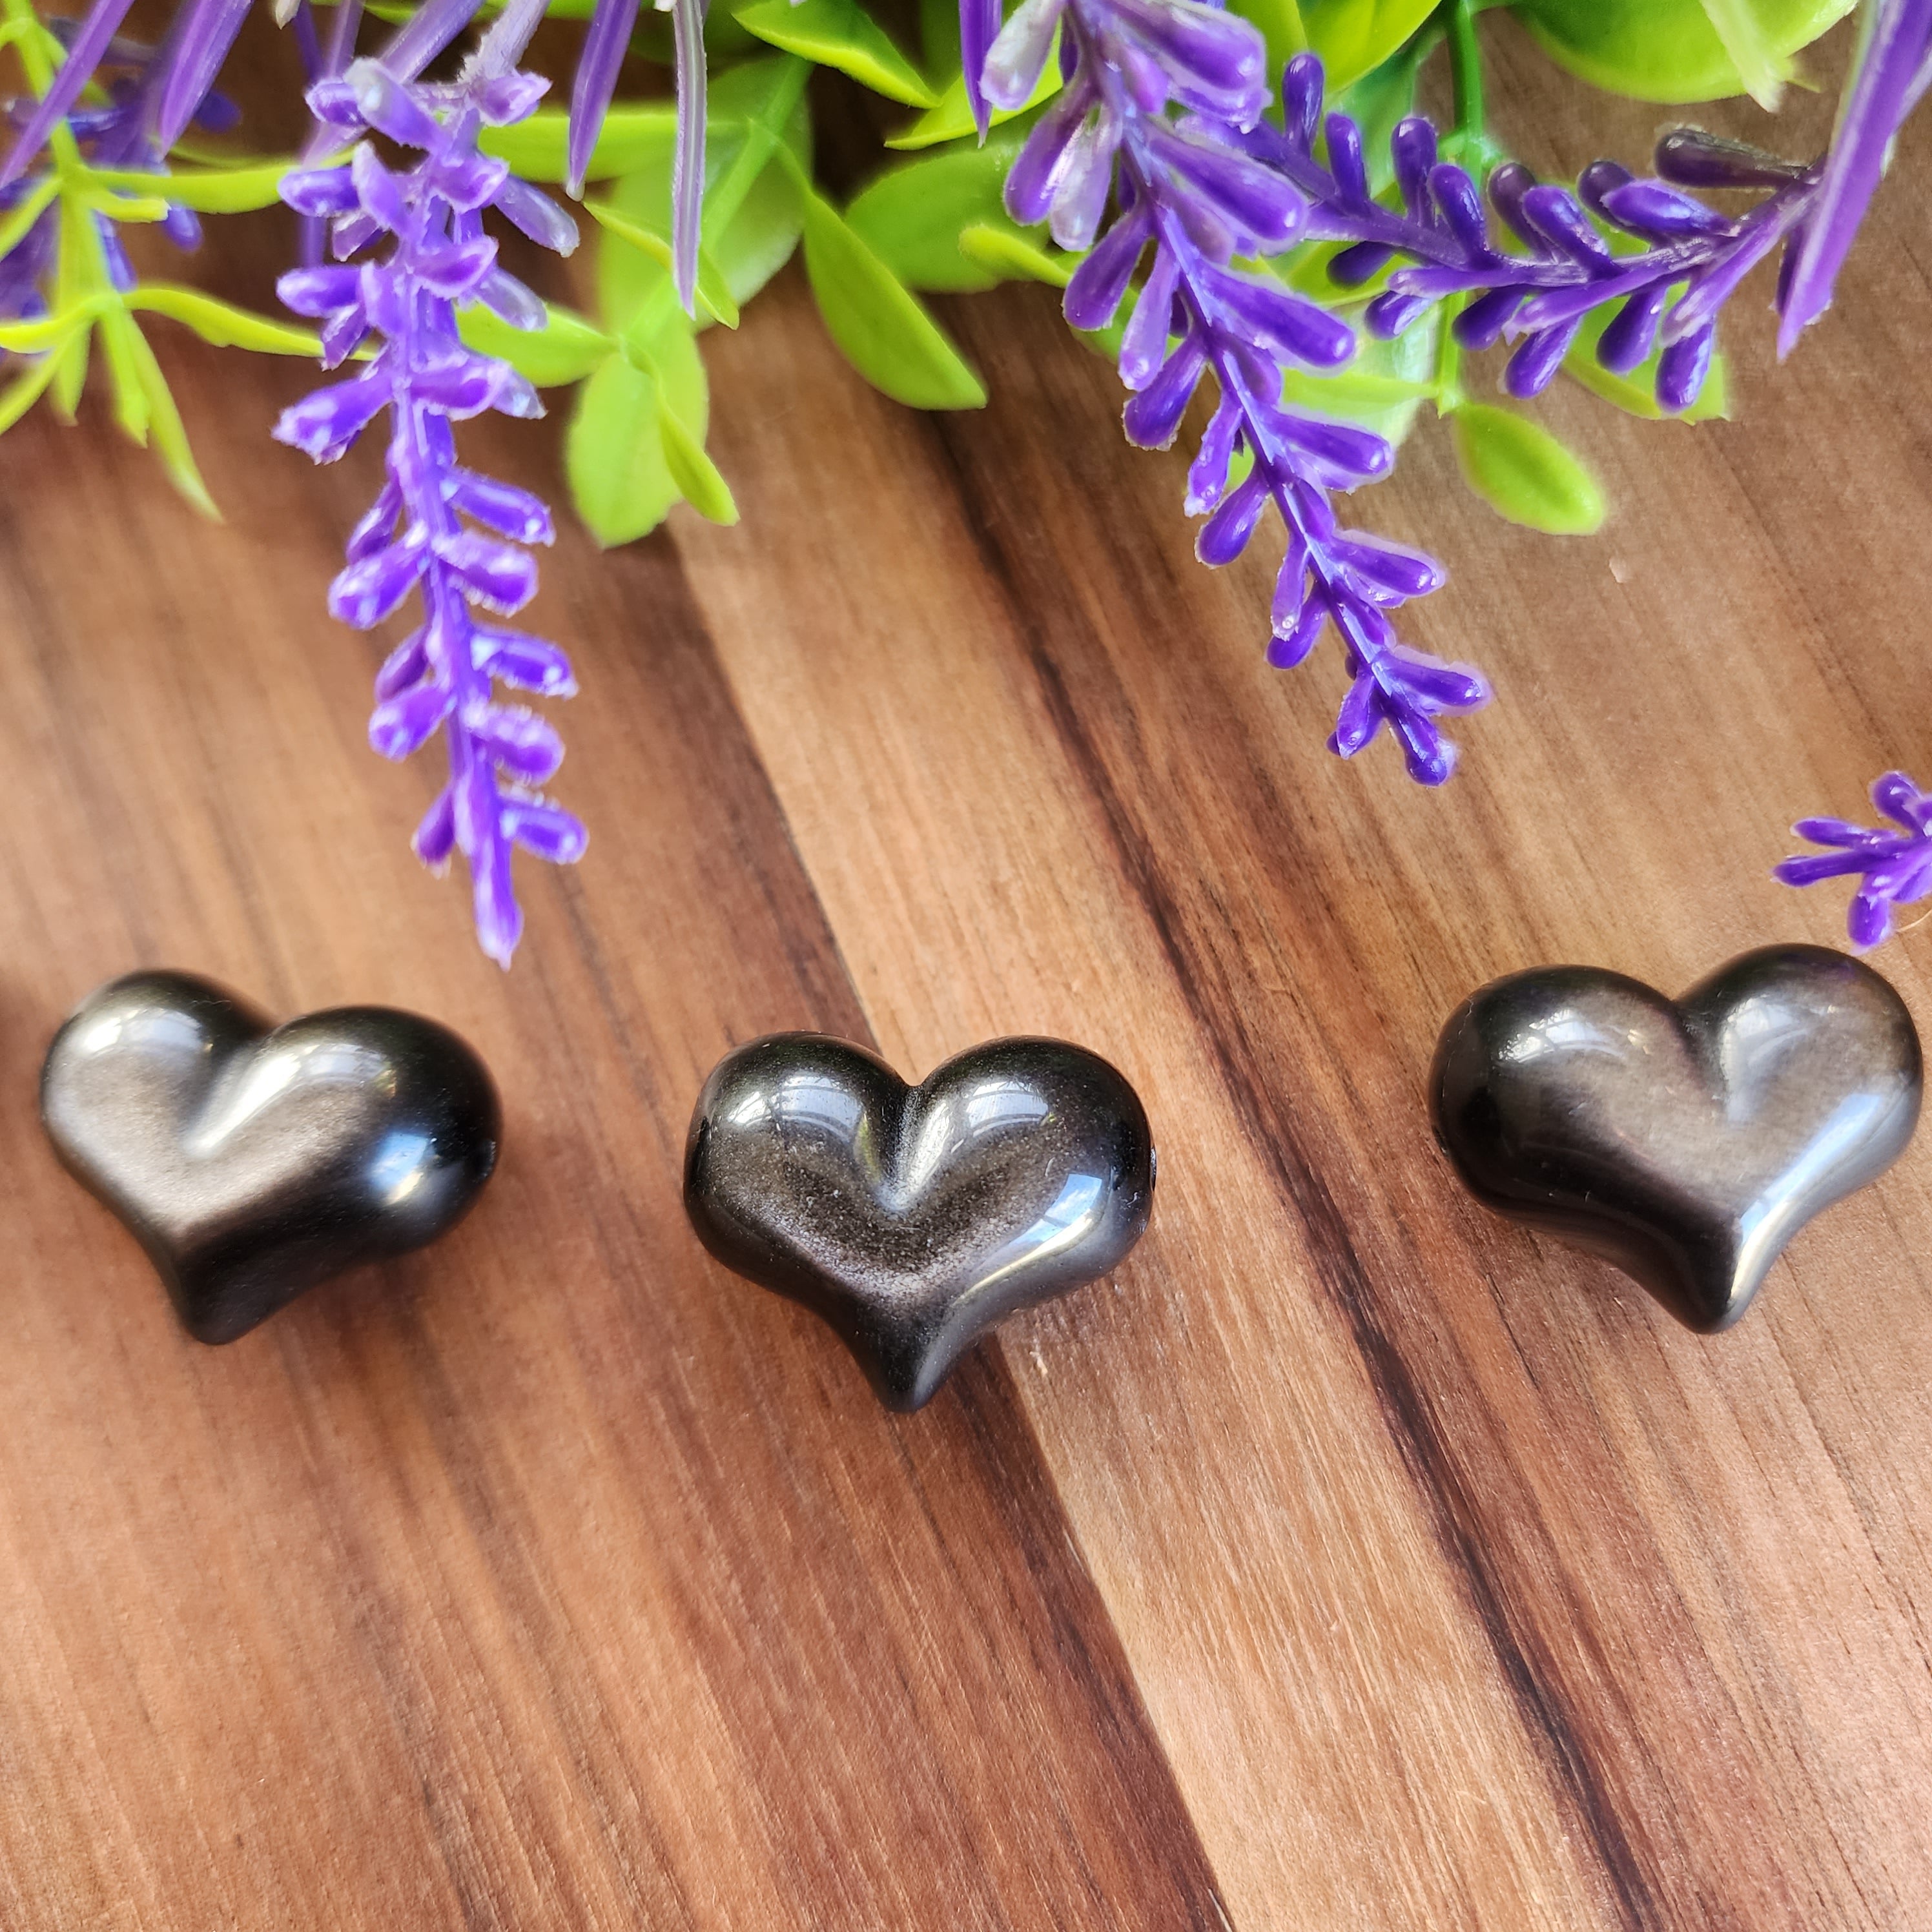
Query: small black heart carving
(1686,1141)
(253,1162)
(912,1218)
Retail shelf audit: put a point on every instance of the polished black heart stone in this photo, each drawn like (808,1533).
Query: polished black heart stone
(912,1218)
(1686,1141)
(252,1161)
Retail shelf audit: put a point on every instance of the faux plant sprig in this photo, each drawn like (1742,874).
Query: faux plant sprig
(1893,869)
(456,539)
(1328,258)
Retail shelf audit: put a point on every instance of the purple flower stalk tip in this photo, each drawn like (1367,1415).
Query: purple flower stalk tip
(1199,191)
(1894,869)
(455,539)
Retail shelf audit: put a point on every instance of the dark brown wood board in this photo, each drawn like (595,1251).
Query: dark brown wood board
(1348,1560)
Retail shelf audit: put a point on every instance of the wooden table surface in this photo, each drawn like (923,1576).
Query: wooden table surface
(1350,1560)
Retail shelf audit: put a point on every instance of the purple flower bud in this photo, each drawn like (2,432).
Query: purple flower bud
(1461,208)
(1480,325)
(182,226)
(1207,474)
(326,421)
(332,101)
(1631,334)
(319,291)
(436,837)
(537,215)
(1034,179)
(1264,207)
(468,180)
(604,46)
(509,98)
(455,273)
(1144,341)
(530,664)
(492,573)
(1153,416)
(1303,87)
(1597,181)
(1412,149)
(1292,634)
(342,334)
(369,589)
(402,725)
(1692,158)
(1681,369)
(1345,158)
(1359,263)
(378,193)
(405,667)
(1507,186)
(390,107)
(1554,213)
(1217,61)
(348,232)
(513,302)
(523,745)
(1341,455)
(500,919)
(1099,284)
(1359,718)
(1388,572)
(1533,368)
(509,511)
(1271,313)
(1087,175)
(462,385)
(544,831)
(1392,312)
(378,526)
(1225,534)
(1649,207)
(1018,53)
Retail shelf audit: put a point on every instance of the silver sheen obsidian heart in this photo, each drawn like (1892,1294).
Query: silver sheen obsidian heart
(253,1162)
(912,1218)
(1686,1141)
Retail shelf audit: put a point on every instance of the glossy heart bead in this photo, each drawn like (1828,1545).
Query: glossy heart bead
(1686,1141)
(912,1218)
(253,1162)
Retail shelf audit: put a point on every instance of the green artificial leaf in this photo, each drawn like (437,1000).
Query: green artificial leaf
(1353,36)
(693,473)
(713,294)
(950,118)
(840,33)
(25,390)
(883,330)
(1676,51)
(80,275)
(1523,473)
(1008,255)
(565,349)
(119,334)
(1386,404)
(632,137)
(207,191)
(1636,393)
(614,448)
(913,216)
(47,331)
(166,434)
(221,323)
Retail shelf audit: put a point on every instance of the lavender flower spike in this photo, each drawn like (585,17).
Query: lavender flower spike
(1201,190)
(1892,73)
(446,533)
(1894,868)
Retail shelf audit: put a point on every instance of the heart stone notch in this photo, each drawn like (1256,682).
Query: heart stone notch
(253,1161)
(1686,1141)
(912,1218)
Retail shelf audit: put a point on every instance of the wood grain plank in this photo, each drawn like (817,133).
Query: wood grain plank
(1462,1588)
(552,1577)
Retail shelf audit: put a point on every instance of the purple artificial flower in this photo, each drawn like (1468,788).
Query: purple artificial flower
(1894,868)
(453,537)
(1200,190)
(1894,67)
